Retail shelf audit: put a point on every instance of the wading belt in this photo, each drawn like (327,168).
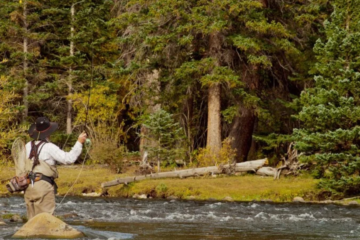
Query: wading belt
(34,177)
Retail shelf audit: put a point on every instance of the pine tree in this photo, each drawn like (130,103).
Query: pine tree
(167,138)
(329,134)
(214,57)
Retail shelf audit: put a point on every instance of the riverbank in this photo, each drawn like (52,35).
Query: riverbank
(247,187)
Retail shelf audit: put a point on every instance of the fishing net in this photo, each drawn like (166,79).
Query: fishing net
(18,153)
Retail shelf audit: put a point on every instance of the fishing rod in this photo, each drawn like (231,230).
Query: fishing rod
(87,141)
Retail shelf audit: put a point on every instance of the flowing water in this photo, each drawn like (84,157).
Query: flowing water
(109,218)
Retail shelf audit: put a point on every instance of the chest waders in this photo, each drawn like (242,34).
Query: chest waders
(38,169)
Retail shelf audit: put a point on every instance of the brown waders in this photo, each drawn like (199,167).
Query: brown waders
(40,198)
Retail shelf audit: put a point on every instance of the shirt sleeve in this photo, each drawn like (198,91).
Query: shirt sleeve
(65,157)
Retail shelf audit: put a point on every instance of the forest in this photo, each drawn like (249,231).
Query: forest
(203,82)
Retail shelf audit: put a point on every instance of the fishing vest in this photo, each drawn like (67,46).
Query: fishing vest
(43,167)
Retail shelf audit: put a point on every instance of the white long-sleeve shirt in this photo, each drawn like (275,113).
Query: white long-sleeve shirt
(50,153)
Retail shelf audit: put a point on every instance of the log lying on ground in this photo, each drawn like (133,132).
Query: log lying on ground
(266,171)
(239,167)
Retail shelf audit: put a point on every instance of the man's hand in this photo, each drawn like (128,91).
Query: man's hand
(82,137)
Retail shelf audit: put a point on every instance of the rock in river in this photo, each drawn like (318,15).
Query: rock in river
(45,225)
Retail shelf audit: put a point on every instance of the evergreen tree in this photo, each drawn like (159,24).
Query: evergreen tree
(329,133)
(167,138)
(48,58)
(214,58)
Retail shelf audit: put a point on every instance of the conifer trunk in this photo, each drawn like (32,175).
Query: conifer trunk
(69,101)
(243,124)
(188,112)
(264,3)
(214,122)
(25,64)
(254,166)
(241,133)
(213,141)
(152,82)
(190,116)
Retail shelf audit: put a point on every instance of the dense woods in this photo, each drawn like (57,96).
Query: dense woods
(202,81)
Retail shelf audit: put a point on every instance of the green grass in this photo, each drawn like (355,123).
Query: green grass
(239,188)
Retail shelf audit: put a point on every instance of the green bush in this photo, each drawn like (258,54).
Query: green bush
(165,138)
(109,153)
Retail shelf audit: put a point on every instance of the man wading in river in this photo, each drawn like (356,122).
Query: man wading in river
(40,195)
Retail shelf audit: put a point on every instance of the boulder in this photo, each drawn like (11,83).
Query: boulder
(298,199)
(172,197)
(135,195)
(353,203)
(92,194)
(191,198)
(45,225)
(228,198)
(142,196)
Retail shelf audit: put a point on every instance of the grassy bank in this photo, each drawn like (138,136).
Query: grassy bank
(239,188)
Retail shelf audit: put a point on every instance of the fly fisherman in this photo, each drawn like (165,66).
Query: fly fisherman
(43,155)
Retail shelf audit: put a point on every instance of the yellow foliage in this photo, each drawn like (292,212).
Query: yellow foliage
(101,107)
(7,131)
(226,155)
(101,112)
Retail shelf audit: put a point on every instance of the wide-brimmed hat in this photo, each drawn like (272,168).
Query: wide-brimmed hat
(42,128)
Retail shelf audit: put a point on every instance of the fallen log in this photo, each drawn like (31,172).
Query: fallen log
(290,162)
(239,167)
(266,171)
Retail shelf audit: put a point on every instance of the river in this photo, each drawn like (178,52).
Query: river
(118,218)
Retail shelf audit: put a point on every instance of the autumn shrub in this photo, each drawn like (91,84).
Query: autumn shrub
(109,153)
(226,155)
(8,113)
(100,114)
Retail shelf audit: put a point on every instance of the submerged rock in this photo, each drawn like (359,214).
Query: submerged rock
(45,225)
(69,215)
(16,218)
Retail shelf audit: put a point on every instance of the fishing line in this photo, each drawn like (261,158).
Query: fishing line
(77,178)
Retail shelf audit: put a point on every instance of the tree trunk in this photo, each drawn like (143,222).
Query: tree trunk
(25,65)
(214,122)
(264,3)
(152,82)
(241,133)
(267,171)
(244,123)
(187,120)
(69,101)
(239,167)
(213,141)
